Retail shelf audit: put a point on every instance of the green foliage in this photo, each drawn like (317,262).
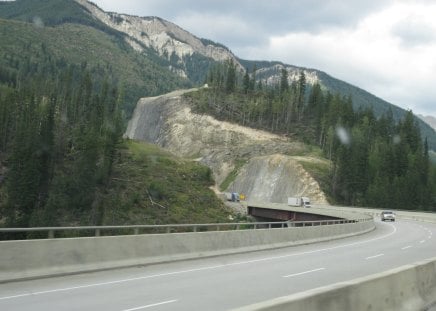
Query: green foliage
(233,174)
(26,48)
(51,13)
(151,186)
(67,165)
(374,161)
(361,99)
(60,136)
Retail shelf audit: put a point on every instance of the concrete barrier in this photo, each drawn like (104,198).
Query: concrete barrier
(37,258)
(408,215)
(409,288)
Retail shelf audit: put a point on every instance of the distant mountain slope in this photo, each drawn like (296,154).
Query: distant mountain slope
(430,120)
(270,72)
(187,55)
(172,52)
(138,74)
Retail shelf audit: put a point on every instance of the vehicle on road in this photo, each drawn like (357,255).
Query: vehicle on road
(299,201)
(387,215)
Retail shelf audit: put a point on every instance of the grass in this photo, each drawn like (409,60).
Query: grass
(233,174)
(151,186)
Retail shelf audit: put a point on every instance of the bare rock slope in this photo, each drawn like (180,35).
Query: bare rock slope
(267,166)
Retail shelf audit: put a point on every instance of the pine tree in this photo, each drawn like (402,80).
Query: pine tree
(246,82)
(284,84)
(301,94)
(230,76)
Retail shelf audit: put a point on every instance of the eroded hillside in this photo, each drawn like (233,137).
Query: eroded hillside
(266,166)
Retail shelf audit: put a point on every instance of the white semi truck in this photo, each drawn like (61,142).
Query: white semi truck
(299,201)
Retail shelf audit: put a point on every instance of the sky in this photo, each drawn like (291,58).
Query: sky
(387,47)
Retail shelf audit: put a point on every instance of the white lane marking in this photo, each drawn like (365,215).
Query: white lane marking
(406,247)
(107,283)
(305,272)
(422,241)
(199,269)
(375,256)
(152,305)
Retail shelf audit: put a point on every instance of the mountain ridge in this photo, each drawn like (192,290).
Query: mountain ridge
(171,41)
(190,57)
(167,38)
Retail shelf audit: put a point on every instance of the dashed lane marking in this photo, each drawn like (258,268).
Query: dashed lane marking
(375,256)
(150,306)
(305,272)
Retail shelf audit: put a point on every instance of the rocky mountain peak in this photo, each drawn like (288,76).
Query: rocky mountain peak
(430,120)
(166,38)
(272,75)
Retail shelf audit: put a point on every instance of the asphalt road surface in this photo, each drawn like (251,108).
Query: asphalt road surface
(226,282)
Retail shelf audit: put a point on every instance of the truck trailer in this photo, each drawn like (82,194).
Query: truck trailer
(299,201)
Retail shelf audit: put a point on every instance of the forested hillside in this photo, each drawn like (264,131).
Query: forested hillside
(361,99)
(376,161)
(63,94)
(68,83)
(31,45)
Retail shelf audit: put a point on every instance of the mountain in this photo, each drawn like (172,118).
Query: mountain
(176,54)
(270,73)
(430,120)
(263,166)
(186,54)
(65,33)
(191,57)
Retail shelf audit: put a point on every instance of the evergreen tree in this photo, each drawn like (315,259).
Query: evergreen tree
(246,82)
(284,84)
(230,76)
(301,93)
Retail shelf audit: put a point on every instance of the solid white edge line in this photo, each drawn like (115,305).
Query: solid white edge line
(152,305)
(305,272)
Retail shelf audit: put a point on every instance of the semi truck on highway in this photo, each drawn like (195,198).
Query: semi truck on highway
(299,201)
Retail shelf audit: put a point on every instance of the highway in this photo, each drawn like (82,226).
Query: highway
(227,282)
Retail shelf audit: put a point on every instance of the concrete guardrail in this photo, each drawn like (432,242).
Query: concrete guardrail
(25,259)
(408,288)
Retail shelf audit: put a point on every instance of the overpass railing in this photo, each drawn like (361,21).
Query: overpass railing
(96,231)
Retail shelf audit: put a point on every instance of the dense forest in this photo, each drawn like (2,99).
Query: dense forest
(63,161)
(375,161)
(60,131)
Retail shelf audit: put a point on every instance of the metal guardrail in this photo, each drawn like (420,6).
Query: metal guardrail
(171,228)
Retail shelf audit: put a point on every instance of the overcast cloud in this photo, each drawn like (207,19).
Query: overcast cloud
(387,47)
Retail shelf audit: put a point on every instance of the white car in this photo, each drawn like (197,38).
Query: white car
(387,215)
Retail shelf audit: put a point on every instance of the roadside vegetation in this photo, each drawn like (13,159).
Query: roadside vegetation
(151,186)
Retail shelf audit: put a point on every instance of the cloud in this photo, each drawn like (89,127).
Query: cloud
(414,31)
(225,29)
(370,55)
(244,21)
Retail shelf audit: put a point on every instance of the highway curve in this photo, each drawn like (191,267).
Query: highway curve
(227,282)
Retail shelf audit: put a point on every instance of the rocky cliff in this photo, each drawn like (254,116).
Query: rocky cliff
(167,39)
(267,166)
(191,57)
